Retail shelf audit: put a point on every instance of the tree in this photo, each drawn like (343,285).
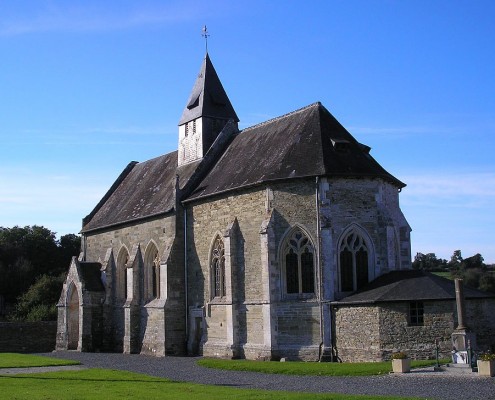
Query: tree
(472,270)
(475,261)
(472,277)
(30,252)
(456,259)
(428,262)
(487,282)
(39,302)
(69,246)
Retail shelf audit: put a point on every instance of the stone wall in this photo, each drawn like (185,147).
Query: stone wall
(298,334)
(158,231)
(417,341)
(27,337)
(357,333)
(480,318)
(259,313)
(369,205)
(140,324)
(225,321)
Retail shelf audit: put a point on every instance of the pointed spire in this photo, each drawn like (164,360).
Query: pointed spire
(208,97)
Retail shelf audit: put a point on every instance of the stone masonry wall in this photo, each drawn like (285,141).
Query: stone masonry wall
(373,333)
(480,318)
(157,230)
(417,341)
(205,222)
(296,323)
(298,320)
(357,333)
(371,205)
(161,323)
(27,337)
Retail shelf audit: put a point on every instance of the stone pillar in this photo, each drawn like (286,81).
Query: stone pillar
(131,307)
(230,311)
(327,268)
(462,338)
(327,291)
(267,239)
(459,299)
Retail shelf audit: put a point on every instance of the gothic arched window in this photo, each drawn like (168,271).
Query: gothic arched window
(353,258)
(298,258)
(121,287)
(218,268)
(152,273)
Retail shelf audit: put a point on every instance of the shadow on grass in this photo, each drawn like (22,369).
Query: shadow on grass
(58,378)
(163,381)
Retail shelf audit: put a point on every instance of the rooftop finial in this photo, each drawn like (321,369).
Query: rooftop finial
(205,34)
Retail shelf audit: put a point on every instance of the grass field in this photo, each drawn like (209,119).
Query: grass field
(445,274)
(108,384)
(15,360)
(309,368)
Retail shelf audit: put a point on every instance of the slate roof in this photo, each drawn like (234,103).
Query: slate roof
(305,143)
(91,274)
(208,97)
(409,285)
(141,190)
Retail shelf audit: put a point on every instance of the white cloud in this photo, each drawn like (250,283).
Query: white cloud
(406,130)
(461,188)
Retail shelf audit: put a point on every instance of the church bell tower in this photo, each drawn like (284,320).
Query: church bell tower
(206,113)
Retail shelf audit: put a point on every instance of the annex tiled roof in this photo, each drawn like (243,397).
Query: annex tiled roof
(307,142)
(409,285)
(208,97)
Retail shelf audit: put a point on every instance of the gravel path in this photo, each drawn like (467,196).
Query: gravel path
(423,383)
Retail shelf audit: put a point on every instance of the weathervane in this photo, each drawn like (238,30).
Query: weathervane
(205,34)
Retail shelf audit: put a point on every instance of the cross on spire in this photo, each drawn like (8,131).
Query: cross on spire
(205,34)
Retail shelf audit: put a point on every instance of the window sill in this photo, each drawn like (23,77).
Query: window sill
(299,297)
(220,301)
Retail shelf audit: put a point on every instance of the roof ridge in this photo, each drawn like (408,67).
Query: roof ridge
(269,121)
(390,288)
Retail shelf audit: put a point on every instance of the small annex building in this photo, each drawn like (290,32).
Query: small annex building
(410,311)
(238,243)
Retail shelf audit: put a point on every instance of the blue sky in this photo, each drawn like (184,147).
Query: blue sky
(88,86)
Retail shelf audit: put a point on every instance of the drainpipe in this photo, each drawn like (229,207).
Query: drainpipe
(185,274)
(318,263)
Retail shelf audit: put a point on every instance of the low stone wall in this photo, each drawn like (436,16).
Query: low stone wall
(27,337)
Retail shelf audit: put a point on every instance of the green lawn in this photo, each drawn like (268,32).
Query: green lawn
(445,274)
(309,368)
(15,360)
(109,384)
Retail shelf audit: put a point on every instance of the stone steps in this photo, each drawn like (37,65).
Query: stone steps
(460,369)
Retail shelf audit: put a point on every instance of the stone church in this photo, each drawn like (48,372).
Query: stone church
(240,244)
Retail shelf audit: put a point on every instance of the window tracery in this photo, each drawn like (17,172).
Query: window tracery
(218,268)
(121,288)
(298,256)
(353,257)
(155,276)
